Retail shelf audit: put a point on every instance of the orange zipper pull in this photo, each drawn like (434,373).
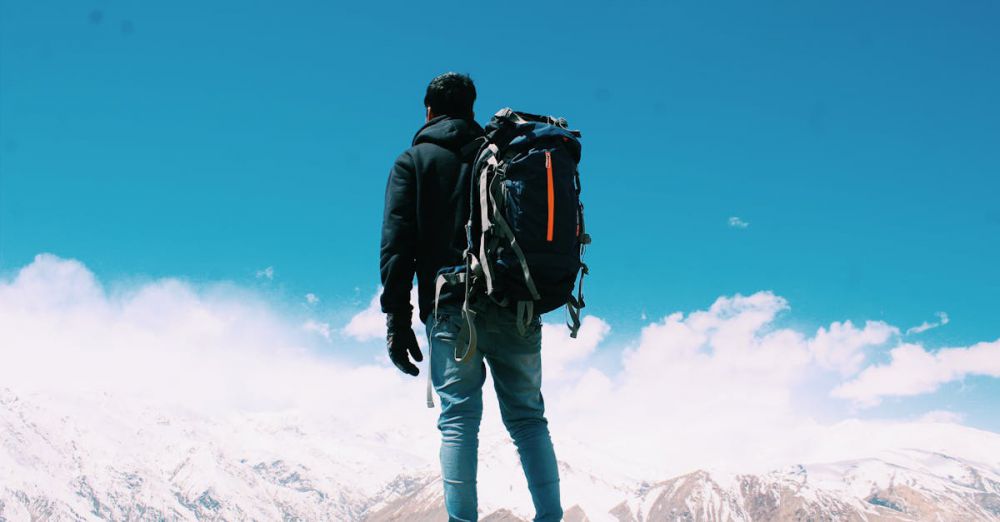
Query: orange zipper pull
(552,195)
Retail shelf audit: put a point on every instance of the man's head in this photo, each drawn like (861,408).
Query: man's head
(451,94)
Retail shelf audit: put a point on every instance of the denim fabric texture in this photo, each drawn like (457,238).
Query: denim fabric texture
(514,360)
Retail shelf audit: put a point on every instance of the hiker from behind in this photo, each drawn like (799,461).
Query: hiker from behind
(427,206)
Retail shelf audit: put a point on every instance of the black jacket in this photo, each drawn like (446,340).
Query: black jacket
(426,207)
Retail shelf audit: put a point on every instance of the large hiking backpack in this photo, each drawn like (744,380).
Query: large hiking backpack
(525,233)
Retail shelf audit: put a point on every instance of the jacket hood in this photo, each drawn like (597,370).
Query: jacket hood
(449,132)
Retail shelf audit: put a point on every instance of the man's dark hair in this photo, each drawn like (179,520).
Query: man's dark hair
(451,94)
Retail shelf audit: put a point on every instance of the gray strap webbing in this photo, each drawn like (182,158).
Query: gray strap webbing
(485,265)
(485,223)
(467,313)
(430,394)
(501,225)
(573,309)
(575,304)
(525,312)
(443,279)
(438,285)
(504,231)
(470,320)
(470,316)
(487,200)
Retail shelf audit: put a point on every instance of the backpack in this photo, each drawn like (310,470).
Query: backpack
(525,234)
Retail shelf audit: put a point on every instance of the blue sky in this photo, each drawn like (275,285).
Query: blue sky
(857,140)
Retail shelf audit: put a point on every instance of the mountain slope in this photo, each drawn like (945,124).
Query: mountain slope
(103,457)
(903,485)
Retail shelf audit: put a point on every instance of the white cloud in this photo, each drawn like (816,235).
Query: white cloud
(693,390)
(694,381)
(691,383)
(924,326)
(560,352)
(841,347)
(736,222)
(311,298)
(323,329)
(266,273)
(369,324)
(216,347)
(699,389)
(912,370)
(942,416)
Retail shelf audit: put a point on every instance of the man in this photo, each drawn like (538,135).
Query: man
(426,207)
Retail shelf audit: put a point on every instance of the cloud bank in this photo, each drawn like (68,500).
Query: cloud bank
(724,387)
(913,370)
(217,347)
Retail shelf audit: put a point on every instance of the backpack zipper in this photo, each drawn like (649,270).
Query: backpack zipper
(552,195)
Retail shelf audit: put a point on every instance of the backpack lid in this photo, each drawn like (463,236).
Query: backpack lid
(508,116)
(509,129)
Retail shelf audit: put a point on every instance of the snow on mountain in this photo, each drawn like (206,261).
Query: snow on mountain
(91,457)
(73,458)
(902,485)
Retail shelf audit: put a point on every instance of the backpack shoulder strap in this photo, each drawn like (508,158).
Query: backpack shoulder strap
(470,151)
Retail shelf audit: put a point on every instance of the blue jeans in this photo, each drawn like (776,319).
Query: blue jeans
(516,364)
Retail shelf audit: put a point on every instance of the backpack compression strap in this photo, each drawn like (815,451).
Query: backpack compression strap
(575,304)
(525,311)
(467,313)
(484,218)
(494,220)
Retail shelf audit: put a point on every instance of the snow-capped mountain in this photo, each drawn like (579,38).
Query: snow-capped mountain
(105,457)
(904,485)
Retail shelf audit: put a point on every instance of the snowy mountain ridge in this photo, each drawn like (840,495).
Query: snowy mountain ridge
(94,458)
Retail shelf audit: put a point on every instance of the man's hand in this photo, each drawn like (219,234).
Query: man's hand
(402,343)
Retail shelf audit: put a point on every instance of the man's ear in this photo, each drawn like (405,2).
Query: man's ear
(430,114)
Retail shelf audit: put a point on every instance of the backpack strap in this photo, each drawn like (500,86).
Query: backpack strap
(468,314)
(573,311)
(446,279)
(469,152)
(484,218)
(470,321)
(506,232)
(430,387)
(439,283)
(488,199)
(525,311)
(575,303)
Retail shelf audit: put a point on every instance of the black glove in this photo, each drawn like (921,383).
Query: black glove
(400,339)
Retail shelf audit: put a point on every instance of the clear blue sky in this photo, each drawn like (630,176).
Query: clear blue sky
(859,140)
